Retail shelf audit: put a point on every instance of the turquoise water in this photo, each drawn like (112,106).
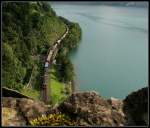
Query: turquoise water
(112,57)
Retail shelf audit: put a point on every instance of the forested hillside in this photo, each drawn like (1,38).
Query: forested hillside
(28,30)
(66,70)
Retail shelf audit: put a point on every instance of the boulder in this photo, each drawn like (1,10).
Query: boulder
(88,108)
(32,109)
(19,111)
(11,117)
(9,102)
(136,107)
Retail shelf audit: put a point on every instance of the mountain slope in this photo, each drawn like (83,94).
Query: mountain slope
(28,30)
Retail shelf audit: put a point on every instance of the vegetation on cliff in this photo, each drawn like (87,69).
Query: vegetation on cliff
(65,70)
(53,120)
(29,29)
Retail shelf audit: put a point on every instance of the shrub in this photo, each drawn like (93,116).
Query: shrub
(58,119)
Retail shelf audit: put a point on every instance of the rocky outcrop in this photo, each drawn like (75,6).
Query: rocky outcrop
(21,110)
(86,108)
(136,107)
(11,117)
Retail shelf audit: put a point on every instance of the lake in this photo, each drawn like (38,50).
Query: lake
(112,57)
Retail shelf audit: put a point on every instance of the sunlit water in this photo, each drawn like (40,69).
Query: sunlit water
(112,57)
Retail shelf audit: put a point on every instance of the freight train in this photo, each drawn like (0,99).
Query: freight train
(53,49)
(47,65)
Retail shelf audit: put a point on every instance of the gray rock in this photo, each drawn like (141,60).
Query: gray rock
(136,107)
(90,108)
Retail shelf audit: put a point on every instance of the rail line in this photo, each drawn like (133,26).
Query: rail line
(52,52)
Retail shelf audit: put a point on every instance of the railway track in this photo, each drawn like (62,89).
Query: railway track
(52,52)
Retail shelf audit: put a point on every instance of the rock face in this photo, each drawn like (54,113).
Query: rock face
(32,109)
(11,117)
(136,107)
(88,108)
(19,111)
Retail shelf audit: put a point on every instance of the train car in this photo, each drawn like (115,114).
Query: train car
(46,64)
(49,56)
(45,81)
(44,86)
(58,41)
(54,46)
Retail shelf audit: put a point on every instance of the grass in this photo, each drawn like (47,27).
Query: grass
(31,93)
(57,89)
(54,29)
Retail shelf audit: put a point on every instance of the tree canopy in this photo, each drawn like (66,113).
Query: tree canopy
(28,30)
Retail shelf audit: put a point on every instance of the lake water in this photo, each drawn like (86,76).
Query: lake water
(112,57)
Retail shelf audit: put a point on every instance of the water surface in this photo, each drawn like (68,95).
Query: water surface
(112,57)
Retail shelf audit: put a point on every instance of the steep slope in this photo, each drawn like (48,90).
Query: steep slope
(28,30)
